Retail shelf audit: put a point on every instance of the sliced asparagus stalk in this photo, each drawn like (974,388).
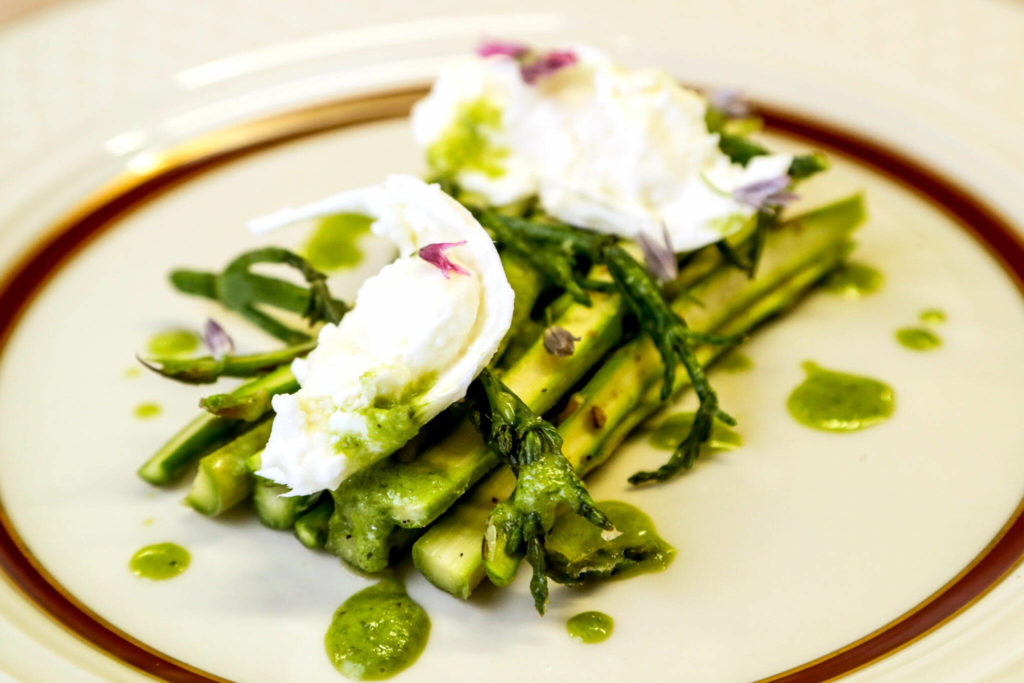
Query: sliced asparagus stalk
(275,509)
(796,254)
(208,432)
(374,508)
(223,479)
(311,526)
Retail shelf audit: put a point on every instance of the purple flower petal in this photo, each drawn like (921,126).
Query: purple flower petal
(434,255)
(546,65)
(559,341)
(659,256)
(217,339)
(730,102)
(761,194)
(502,48)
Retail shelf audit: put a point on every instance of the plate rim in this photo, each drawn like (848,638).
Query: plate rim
(31,270)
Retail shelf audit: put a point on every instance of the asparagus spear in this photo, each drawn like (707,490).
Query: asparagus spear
(311,526)
(796,254)
(276,510)
(223,479)
(208,432)
(374,508)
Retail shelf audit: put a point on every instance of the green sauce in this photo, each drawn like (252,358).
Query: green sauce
(590,627)
(334,242)
(674,429)
(735,361)
(854,280)
(160,561)
(173,343)
(466,146)
(578,553)
(918,339)
(146,411)
(132,372)
(932,316)
(840,402)
(377,632)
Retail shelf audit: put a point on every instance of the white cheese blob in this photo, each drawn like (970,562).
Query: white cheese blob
(604,147)
(407,350)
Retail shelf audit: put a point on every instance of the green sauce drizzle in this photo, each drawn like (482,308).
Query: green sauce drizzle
(933,316)
(173,343)
(377,632)
(918,339)
(160,561)
(146,411)
(735,362)
(590,627)
(466,144)
(853,280)
(577,553)
(840,402)
(132,372)
(334,242)
(674,429)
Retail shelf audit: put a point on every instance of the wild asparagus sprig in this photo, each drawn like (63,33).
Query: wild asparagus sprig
(545,480)
(546,241)
(209,369)
(243,291)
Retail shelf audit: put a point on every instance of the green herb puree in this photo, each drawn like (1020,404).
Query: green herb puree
(334,242)
(735,362)
(160,561)
(590,627)
(577,552)
(173,343)
(933,316)
(853,280)
(839,402)
(918,339)
(145,411)
(674,429)
(377,632)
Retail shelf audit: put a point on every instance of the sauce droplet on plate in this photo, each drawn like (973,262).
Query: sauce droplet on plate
(840,402)
(918,339)
(173,343)
(854,280)
(590,627)
(377,632)
(145,411)
(160,561)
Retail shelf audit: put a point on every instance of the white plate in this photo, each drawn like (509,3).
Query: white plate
(790,548)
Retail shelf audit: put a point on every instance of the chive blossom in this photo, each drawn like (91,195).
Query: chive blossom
(762,194)
(659,256)
(217,340)
(434,255)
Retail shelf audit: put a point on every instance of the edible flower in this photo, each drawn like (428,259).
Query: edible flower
(502,48)
(761,194)
(541,66)
(730,102)
(559,341)
(659,257)
(533,65)
(434,255)
(217,339)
